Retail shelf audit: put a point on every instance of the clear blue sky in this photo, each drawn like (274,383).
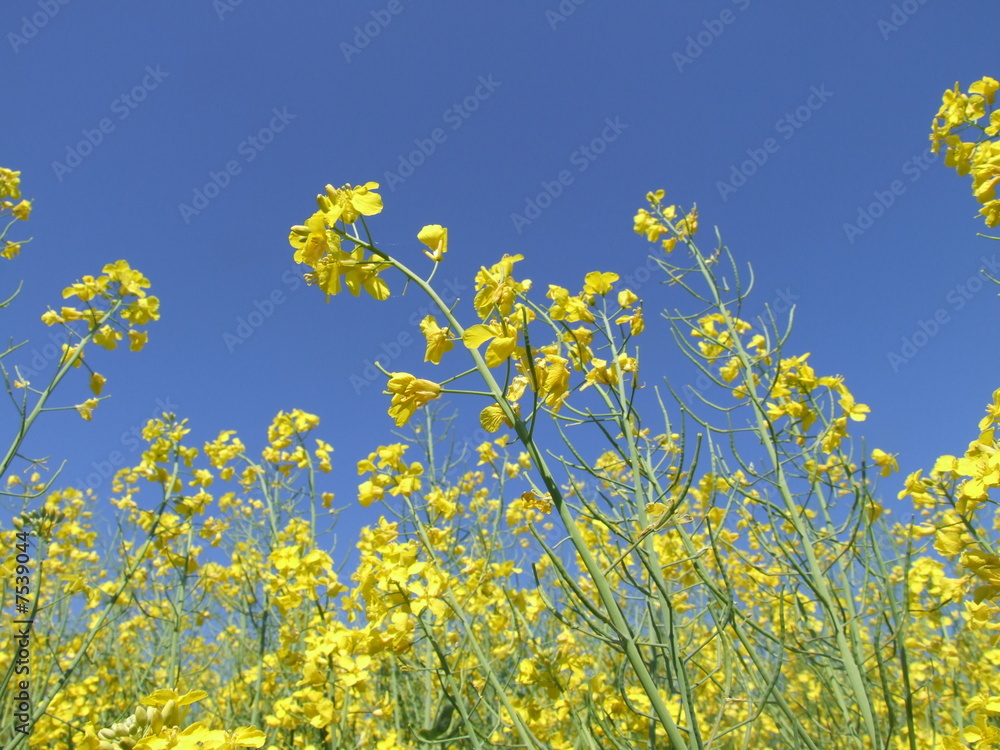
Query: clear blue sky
(837,96)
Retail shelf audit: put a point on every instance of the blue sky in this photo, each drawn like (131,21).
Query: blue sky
(271,101)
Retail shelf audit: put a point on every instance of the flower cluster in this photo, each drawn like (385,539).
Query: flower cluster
(10,191)
(972,112)
(318,243)
(114,306)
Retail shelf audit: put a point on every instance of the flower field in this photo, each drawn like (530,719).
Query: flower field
(615,567)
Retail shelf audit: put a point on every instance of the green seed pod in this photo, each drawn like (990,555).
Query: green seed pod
(171,716)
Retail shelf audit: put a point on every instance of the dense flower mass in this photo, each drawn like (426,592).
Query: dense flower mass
(972,112)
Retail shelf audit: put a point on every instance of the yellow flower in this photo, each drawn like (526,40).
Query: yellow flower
(565,307)
(438,340)
(22,210)
(886,461)
(348,203)
(137,340)
(86,409)
(312,241)
(409,393)
(86,289)
(435,237)
(10,182)
(501,347)
(492,418)
(496,288)
(599,283)
(97,382)
(986,88)
(107,337)
(857,412)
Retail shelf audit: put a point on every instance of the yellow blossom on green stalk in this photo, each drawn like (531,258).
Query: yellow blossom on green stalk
(312,241)
(361,273)
(97,382)
(636,322)
(600,283)
(886,461)
(107,337)
(566,307)
(22,210)
(627,298)
(137,340)
(435,237)
(551,376)
(131,282)
(857,412)
(10,182)
(487,453)
(492,418)
(409,393)
(537,502)
(86,409)
(438,339)
(87,288)
(496,289)
(501,335)
(348,203)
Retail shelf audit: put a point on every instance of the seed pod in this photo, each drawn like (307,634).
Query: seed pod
(141,719)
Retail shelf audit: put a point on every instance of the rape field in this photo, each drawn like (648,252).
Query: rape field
(736,574)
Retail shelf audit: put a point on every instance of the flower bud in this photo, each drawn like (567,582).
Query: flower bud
(107,734)
(171,716)
(141,719)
